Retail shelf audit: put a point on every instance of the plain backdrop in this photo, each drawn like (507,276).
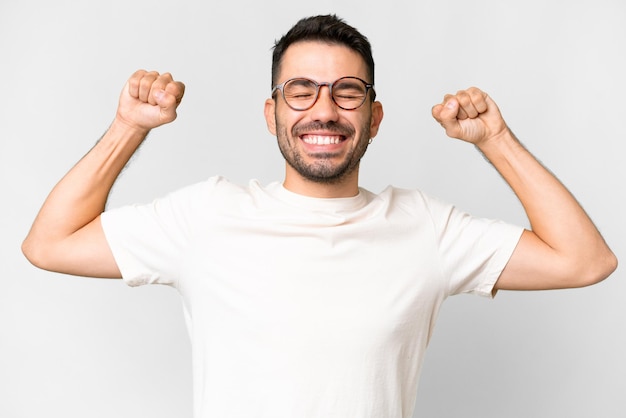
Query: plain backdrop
(75,347)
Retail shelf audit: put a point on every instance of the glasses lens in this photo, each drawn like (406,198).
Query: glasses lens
(300,93)
(349,92)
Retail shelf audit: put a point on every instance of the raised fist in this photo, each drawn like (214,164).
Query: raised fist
(149,99)
(470,115)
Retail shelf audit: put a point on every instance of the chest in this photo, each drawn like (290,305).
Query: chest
(368,284)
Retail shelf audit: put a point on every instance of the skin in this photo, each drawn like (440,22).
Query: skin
(561,249)
(67,235)
(329,170)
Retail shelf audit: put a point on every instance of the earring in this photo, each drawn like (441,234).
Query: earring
(370,141)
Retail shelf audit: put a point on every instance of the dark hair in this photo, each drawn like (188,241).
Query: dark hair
(325,28)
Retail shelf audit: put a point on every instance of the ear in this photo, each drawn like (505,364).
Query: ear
(376,119)
(270,115)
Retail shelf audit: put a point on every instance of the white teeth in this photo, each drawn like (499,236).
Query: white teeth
(321,140)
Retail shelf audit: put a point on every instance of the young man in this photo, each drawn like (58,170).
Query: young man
(314,297)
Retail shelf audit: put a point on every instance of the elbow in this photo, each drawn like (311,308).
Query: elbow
(609,266)
(34,252)
(598,269)
(29,251)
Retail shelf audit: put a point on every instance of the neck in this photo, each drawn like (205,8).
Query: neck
(347,186)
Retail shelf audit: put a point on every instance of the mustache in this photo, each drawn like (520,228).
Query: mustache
(332,127)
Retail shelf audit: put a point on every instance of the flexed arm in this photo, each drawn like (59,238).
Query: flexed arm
(563,249)
(66,235)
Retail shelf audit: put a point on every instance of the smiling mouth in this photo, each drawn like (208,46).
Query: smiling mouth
(322,139)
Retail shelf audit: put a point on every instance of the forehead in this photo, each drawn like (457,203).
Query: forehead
(321,61)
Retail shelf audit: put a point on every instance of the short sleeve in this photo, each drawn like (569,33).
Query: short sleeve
(148,241)
(474,251)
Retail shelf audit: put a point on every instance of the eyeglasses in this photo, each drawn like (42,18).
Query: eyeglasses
(348,93)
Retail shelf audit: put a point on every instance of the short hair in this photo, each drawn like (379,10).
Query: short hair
(324,28)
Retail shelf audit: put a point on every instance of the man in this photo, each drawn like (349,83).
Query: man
(314,297)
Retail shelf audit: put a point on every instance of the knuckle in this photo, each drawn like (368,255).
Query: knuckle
(133,83)
(163,81)
(464,98)
(475,94)
(150,75)
(136,78)
(139,73)
(146,82)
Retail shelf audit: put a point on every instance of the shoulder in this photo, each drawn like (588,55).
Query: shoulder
(412,200)
(205,191)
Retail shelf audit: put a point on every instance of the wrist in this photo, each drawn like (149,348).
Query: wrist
(500,141)
(125,128)
(121,139)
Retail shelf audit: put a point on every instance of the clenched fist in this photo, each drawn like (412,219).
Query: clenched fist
(149,99)
(470,115)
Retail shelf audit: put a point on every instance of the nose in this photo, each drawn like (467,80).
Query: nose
(324,109)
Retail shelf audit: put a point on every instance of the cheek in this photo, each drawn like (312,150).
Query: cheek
(282,130)
(284,121)
(364,125)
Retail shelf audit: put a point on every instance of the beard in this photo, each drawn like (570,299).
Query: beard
(322,169)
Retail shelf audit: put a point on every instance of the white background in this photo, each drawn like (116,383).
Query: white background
(77,347)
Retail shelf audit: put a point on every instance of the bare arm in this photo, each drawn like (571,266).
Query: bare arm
(563,249)
(66,235)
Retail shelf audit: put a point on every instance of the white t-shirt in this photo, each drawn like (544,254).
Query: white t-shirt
(305,307)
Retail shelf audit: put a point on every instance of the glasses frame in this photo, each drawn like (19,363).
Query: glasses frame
(367,85)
